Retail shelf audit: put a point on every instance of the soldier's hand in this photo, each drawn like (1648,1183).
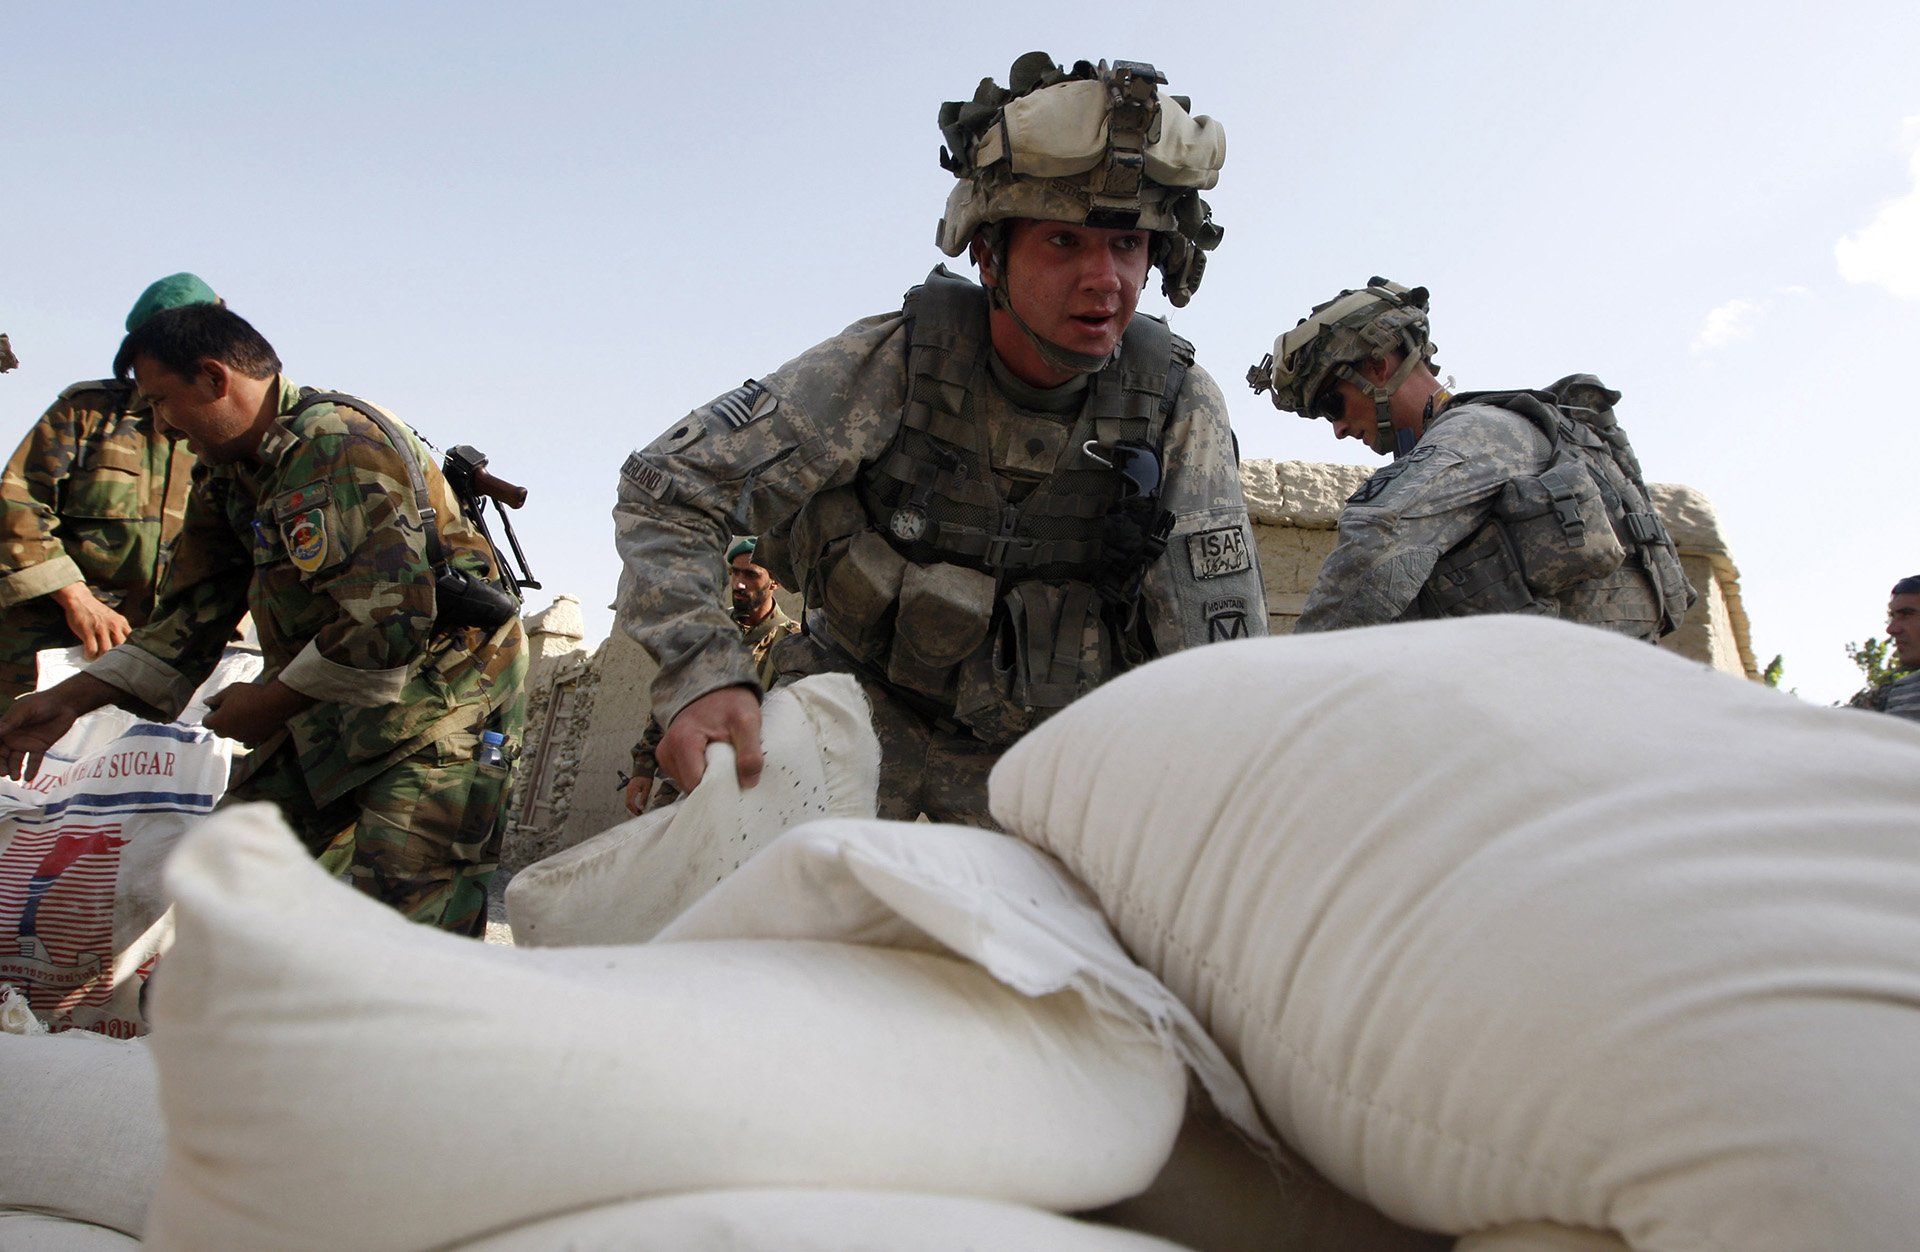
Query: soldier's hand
(36,722)
(729,715)
(252,712)
(97,626)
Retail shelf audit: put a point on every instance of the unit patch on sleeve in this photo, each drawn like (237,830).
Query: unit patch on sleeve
(305,535)
(1226,619)
(749,402)
(647,478)
(1217,553)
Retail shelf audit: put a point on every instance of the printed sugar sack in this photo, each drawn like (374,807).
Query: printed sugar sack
(624,884)
(312,1046)
(82,914)
(1507,920)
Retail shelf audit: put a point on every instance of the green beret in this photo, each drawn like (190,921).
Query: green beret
(746,545)
(175,291)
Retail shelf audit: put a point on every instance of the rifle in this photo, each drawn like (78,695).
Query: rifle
(465,468)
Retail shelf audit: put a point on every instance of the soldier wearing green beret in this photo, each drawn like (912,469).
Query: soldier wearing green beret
(88,504)
(390,655)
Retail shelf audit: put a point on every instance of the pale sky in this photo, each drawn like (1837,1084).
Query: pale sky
(551,230)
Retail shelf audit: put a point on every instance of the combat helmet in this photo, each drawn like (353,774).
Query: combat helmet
(1332,342)
(1096,145)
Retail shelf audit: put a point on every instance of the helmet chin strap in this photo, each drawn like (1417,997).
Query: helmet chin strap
(1386,439)
(1052,353)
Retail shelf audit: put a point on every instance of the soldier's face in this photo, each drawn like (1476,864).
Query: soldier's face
(1903,627)
(1076,286)
(752,586)
(202,409)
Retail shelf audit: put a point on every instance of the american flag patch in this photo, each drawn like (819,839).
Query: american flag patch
(749,402)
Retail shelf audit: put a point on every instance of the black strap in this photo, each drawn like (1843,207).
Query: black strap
(309,397)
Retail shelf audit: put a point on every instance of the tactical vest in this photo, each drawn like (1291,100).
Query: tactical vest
(1580,539)
(984,603)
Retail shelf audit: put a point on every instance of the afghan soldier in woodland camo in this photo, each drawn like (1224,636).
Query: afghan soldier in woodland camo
(330,523)
(88,504)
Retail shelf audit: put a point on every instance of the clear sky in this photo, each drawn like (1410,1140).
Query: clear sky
(550,230)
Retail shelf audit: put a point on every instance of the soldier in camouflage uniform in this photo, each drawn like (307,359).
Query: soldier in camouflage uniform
(387,654)
(763,623)
(1496,502)
(1900,695)
(88,505)
(991,500)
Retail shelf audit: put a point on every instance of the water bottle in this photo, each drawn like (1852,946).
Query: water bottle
(490,751)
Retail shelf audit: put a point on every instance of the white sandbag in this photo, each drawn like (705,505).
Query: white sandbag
(315,1046)
(36,1232)
(1011,908)
(1510,921)
(83,917)
(1541,1237)
(815,1221)
(624,884)
(80,1134)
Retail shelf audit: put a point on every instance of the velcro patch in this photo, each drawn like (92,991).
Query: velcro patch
(1379,482)
(1217,553)
(749,402)
(686,433)
(647,478)
(1226,619)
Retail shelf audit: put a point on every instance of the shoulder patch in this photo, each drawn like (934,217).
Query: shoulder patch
(647,478)
(749,402)
(1226,619)
(1379,482)
(300,499)
(1217,553)
(305,534)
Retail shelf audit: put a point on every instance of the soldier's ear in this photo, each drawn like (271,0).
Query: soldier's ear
(216,374)
(983,259)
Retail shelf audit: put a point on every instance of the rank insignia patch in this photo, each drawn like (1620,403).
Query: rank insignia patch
(749,402)
(306,538)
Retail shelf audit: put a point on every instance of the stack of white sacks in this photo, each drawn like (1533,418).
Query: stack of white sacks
(1540,939)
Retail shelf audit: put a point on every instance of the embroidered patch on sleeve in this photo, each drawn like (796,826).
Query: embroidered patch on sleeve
(1226,619)
(684,435)
(749,402)
(648,478)
(306,538)
(1217,553)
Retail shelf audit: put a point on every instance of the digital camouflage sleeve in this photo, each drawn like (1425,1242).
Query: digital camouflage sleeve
(1410,513)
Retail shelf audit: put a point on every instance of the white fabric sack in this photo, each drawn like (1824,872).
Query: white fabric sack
(327,1069)
(239,663)
(624,884)
(36,1232)
(80,1133)
(1510,920)
(1540,1237)
(815,1221)
(83,917)
(1012,909)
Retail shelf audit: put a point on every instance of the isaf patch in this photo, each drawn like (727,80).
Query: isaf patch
(648,478)
(747,403)
(1226,619)
(1217,553)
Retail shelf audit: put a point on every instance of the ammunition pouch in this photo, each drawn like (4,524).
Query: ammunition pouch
(1558,526)
(863,586)
(1050,648)
(1479,575)
(943,617)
